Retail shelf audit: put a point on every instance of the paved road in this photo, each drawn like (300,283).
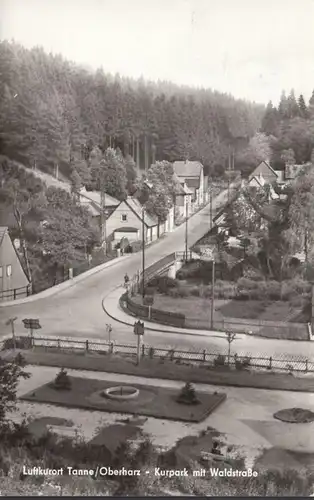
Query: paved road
(77,311)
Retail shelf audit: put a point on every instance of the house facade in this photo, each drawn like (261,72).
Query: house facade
(266,171)
(126,221)
(183,200)
(13,280)
(258,182)
(192,173)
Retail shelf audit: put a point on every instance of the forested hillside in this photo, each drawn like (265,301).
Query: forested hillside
(53,111)
(290,128)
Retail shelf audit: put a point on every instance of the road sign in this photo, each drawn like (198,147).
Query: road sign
(206,253)
(31,324)
(11,321)
(138,328)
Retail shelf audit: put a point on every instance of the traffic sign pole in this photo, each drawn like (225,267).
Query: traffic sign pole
(11,322)
(139,331)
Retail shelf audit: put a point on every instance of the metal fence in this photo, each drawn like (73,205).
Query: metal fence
(15,293)
(264,328)
(236,360)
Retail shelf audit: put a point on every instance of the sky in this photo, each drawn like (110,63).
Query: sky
(252,49)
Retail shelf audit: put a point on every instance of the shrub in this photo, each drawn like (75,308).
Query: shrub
(195,291)
(179,292)
(62,380)
(165,283)
(273,290)
(187,395)
(220,360)
(242,363)
(247,284)
(20,343)
(224,290)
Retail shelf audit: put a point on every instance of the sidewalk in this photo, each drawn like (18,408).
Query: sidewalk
(66,284)
(111,306)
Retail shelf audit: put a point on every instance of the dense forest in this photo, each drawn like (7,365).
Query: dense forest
(53,113)
(290,129)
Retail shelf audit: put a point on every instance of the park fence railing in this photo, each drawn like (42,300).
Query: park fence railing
(237,360)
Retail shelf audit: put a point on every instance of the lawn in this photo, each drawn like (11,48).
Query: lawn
(199,308)
(158,402)
(166,369)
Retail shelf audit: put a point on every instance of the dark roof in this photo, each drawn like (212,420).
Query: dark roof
(180,188)
(187,168)
(126,230)
(193,183)
(95,197)
(252,174)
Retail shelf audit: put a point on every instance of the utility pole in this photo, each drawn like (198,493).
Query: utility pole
(143,254)
(103,221)
(213,297)
(211,207)
(11,322)
(186,231)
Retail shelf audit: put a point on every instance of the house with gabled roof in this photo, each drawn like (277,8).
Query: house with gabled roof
(258,181)
(183,199)
(13,280)
(92,201)
(192,173)
(127,222)
(266,171)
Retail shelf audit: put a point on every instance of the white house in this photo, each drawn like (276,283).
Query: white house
(192,173)
(128,220)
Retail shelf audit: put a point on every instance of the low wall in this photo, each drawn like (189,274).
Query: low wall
(145,312)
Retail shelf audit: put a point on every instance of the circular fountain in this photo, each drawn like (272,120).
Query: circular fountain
(121,392)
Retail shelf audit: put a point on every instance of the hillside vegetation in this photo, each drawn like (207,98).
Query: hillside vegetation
(52,110)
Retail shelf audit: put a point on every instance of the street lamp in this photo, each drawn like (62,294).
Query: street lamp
(186,230)
(150,186)
(143,253)
(213,296)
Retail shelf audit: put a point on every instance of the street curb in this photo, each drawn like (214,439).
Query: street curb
(66,284)
(152,329)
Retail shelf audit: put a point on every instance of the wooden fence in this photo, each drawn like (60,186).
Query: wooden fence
(210,358)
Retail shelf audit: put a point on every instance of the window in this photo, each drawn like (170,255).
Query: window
(124,217)
(1,272)
(9,271)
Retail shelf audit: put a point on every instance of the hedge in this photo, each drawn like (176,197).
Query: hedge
(164,317)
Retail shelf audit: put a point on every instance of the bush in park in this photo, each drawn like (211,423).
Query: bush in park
(62,381)
(187,395)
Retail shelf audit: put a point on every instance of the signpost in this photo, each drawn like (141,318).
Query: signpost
(31,324)
(11,322)
(139,331)
(109,331)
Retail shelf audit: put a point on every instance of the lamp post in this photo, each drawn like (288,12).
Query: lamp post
(143,253)
(213,296)
(186,230)
(211,208)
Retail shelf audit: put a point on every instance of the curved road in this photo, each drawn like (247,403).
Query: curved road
(77,311)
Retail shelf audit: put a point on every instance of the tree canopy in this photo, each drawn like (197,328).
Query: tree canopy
(53,111)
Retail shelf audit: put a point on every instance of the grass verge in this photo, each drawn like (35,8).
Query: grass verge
(157,402)
(166,369)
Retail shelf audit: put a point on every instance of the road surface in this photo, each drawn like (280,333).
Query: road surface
(77,311)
